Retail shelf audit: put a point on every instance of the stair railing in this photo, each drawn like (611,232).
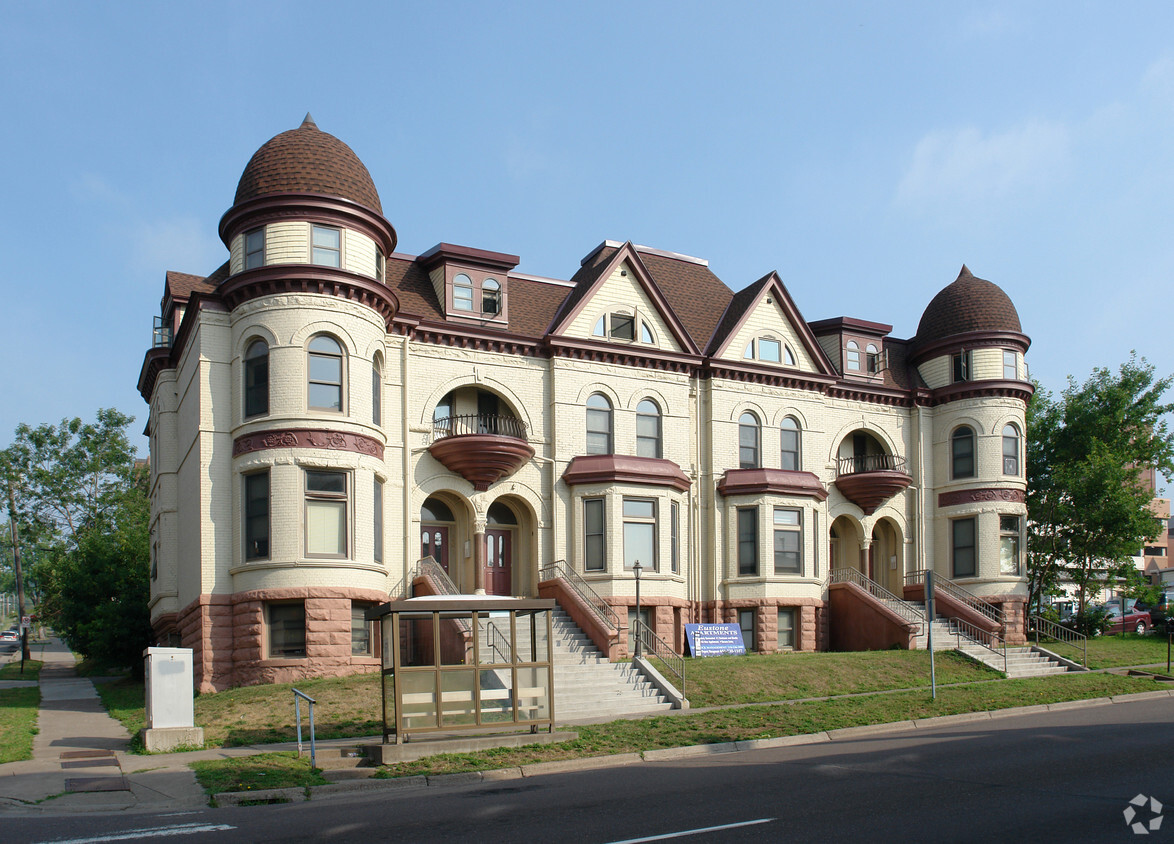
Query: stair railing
(651,644)
(299,696)
(1040,626)
(494,641)
(603,611)
(963,596)
(975,635)
(900,606)
(441,584)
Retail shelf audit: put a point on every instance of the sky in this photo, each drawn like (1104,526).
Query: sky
(865,151)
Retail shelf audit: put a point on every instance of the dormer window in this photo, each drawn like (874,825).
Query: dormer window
(255,248)
(872,358)
(462,293)
(326,246)
(490,296)
(852,356)
(769,350)
(961,366)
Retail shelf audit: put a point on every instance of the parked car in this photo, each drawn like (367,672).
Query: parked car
(1134,618)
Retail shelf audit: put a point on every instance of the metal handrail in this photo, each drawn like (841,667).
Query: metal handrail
(650,643)
(443,584)
(478,423)
(964,629)
(1059,633)
(602,609)
(492,634)
(298,698)
(941,584)
(870,463)
(898,605)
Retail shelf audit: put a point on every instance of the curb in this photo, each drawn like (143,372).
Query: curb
(296,795)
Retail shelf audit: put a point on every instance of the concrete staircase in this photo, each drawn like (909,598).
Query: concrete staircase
(1021,662)
(587,685)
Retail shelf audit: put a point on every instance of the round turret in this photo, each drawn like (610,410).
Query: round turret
(967,305)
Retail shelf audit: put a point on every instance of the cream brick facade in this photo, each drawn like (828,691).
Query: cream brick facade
(513,475)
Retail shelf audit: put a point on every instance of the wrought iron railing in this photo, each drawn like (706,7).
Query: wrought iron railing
(870,463)
(498,643)
(653,645)
(898,605)
(963,596)
(975,635)
(441,583)
(478,423)
(1058,634)
(602,610)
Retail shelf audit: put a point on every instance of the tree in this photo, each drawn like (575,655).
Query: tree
(82,513)
(1088,511)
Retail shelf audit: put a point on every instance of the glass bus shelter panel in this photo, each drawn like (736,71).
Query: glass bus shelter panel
(416,640)
(388,702)
(456,641)
(533,628)
(418,702)
(533,694)
(493,638)
(458,698)
(497,695)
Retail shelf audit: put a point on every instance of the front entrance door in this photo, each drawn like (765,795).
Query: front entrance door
(434,544)
(499,569)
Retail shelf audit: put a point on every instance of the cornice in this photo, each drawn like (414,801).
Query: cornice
(276,279)
(1021,390)
(622,354)
(323,438)
(774,481)
(978,496)
(625,468)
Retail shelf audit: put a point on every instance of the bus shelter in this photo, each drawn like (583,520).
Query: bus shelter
(465,663)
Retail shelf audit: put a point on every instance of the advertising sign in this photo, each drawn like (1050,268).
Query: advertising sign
(714,639)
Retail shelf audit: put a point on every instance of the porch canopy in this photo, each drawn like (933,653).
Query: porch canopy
(465,663)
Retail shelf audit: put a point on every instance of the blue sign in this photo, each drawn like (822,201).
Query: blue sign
(714,639)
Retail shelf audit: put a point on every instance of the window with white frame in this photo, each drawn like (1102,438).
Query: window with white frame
(640,533)
(622,326)
(962,453)
(490,297)
(255,248)
(1009,546)
(675,536)
(362,642)
(1010,450)
(376,391)
(462,292)
(852,356)
(256,378)
(963,544)
(599,430)
(749,439)
(256,515)
(1010,365)
(377,520)
(746,625)
(872,358)
(326,246)
(285,627)
(747,540)
(960,364)
(788,526)
(791,460)
(594,535)
(326,513)
(648,429)
(786,628)
(324,390)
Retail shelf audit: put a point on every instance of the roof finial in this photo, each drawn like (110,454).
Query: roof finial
(309,121)
(965,269)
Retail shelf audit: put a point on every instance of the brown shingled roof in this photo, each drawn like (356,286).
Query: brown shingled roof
(968,304)
(696,295)
(307,160)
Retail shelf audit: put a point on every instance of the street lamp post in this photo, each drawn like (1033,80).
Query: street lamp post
(636,571)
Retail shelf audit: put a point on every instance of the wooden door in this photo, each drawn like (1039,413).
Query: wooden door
(499,569)
(434,543)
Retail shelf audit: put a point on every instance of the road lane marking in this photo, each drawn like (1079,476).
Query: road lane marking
(150,832)
(685,832)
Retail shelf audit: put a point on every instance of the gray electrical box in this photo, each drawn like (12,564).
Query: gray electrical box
(170,693)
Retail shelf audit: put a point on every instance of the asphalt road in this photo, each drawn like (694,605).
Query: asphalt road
(1059,776)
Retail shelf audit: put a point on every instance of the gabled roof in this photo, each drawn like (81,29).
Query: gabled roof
(743,304)
(593,274)
(179,287)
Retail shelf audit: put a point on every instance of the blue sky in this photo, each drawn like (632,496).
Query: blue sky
(865,151)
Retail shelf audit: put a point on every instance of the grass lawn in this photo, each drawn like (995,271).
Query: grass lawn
(1116,650)
(11,671)
(267,770)
(18,723)
(723,680)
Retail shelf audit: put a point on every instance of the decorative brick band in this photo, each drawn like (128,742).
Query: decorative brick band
(307,438)
(975,496)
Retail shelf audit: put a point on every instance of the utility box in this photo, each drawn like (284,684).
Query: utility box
(170,693)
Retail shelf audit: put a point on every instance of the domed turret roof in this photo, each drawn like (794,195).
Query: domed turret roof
(968,304)
(307,160)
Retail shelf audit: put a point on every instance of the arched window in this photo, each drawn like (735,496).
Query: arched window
(462,293)
(789,356)
(325,381)
(1010,450)
(257,378)
(790,431)
(377,391)
(598,424)
(500,514)
(748,441)
(852,357)
(648,443)
(872,358)
(962,453)
(490,296)
(646,335)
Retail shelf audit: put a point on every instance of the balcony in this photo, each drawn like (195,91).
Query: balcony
(869,480)
(482,448)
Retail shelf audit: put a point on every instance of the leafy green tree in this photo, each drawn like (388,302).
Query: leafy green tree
(83,516)
(1088,511)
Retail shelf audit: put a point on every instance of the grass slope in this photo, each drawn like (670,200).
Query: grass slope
(18,723)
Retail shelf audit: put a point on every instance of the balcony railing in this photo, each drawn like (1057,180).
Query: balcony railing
(870,463)
(478,423)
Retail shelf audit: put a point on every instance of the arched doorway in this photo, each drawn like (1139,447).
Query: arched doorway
(886,557)
(438,527)
(844,545)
